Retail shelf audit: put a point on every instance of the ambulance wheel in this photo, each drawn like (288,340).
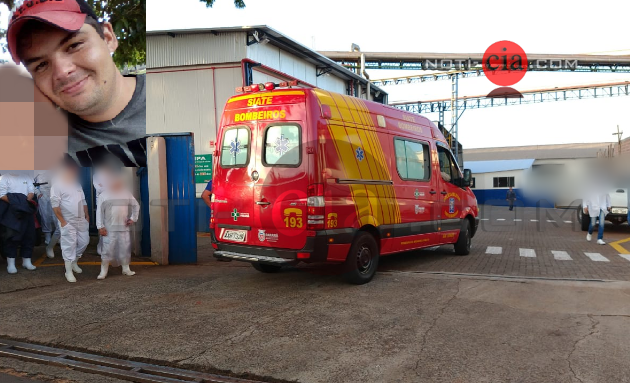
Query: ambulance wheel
(362,260)
(263,268)
(462,246)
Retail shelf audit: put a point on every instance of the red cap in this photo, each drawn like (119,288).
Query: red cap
(68,15)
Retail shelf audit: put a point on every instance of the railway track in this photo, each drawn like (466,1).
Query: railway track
(112,367)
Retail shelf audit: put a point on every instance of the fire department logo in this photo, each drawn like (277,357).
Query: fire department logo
(261,235)
(452,210)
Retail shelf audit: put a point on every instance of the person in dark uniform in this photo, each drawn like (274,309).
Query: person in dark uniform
(511,197)
(207,193)
(17,222)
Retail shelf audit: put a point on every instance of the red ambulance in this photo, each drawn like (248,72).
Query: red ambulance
(307,175)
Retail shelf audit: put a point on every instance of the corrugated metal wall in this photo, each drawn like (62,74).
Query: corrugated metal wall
(292,65)
(195,49)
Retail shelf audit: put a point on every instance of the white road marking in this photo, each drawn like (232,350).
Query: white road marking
(550,220)
(568,221)
(561,255)
(533,220)
(517,220)
(494,250)
(529,253)
(597,257)
(485,219)
(500,219)
(625,256)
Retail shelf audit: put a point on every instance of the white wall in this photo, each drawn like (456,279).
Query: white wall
(486,180)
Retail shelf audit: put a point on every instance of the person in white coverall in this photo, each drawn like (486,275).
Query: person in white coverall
(116,212)
(48,219)
(101,179)
(68,203)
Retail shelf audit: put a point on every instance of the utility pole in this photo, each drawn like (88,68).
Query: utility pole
(618,134)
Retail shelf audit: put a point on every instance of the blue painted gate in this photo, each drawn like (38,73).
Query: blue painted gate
(180,166)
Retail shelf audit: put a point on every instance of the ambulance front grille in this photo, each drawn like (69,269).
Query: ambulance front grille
(250,257)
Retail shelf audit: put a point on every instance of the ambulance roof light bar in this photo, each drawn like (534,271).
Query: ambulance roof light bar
(266,86)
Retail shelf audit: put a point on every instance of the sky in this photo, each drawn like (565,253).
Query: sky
(453,27)
(459,27)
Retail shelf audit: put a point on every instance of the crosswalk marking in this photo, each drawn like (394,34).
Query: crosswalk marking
(529,253)
(517,220)
(568,221)
(597,257)
(625,256)
(484,219)
(494,250)
(500,219)
(561,255)
(534,220)
(550,220)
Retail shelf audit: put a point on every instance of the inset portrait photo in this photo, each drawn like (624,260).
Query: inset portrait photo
(87,59)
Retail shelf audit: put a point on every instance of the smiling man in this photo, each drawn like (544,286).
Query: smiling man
(68,52)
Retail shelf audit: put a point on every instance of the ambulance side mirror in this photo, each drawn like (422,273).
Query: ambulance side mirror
(467,178)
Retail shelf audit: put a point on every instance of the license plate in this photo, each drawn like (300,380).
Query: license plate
(620,211)
(235,235)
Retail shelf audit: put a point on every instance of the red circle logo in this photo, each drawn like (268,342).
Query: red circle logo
(504,63)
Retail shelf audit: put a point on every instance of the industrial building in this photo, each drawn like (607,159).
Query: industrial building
(495,169)
(192,73)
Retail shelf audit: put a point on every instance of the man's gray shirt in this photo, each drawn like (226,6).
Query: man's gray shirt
(122,137)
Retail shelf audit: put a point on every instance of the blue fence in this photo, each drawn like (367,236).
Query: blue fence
(496,197)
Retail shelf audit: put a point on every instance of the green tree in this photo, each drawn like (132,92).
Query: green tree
(240,4)
(128,18)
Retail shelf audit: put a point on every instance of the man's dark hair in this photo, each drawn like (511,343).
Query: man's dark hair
(32,26)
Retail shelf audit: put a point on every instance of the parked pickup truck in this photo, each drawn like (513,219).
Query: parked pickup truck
(618,213)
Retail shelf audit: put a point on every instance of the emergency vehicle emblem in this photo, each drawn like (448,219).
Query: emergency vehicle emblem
(416,194)
(282,145)
(360,154)
(419,209)
(451,205)
(235,148)
(235,214)
(261,235)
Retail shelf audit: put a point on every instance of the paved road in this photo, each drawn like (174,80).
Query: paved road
(6,378)
(303,325)
(530,243)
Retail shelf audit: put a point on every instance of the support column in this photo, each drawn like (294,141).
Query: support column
(158,199)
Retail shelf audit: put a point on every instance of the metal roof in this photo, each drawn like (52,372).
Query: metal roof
(498,166)
(538,152)
(285,43)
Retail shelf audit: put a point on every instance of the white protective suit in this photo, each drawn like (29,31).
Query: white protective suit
(114,209)
(43,199)
(75,235)
(102,179)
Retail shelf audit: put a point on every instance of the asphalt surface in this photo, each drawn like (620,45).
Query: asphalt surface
(304,325)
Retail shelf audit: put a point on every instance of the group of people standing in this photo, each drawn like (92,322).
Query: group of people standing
(65,219)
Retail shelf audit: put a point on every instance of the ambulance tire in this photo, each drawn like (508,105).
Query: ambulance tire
(263,268)
(362,260)
(462,246)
